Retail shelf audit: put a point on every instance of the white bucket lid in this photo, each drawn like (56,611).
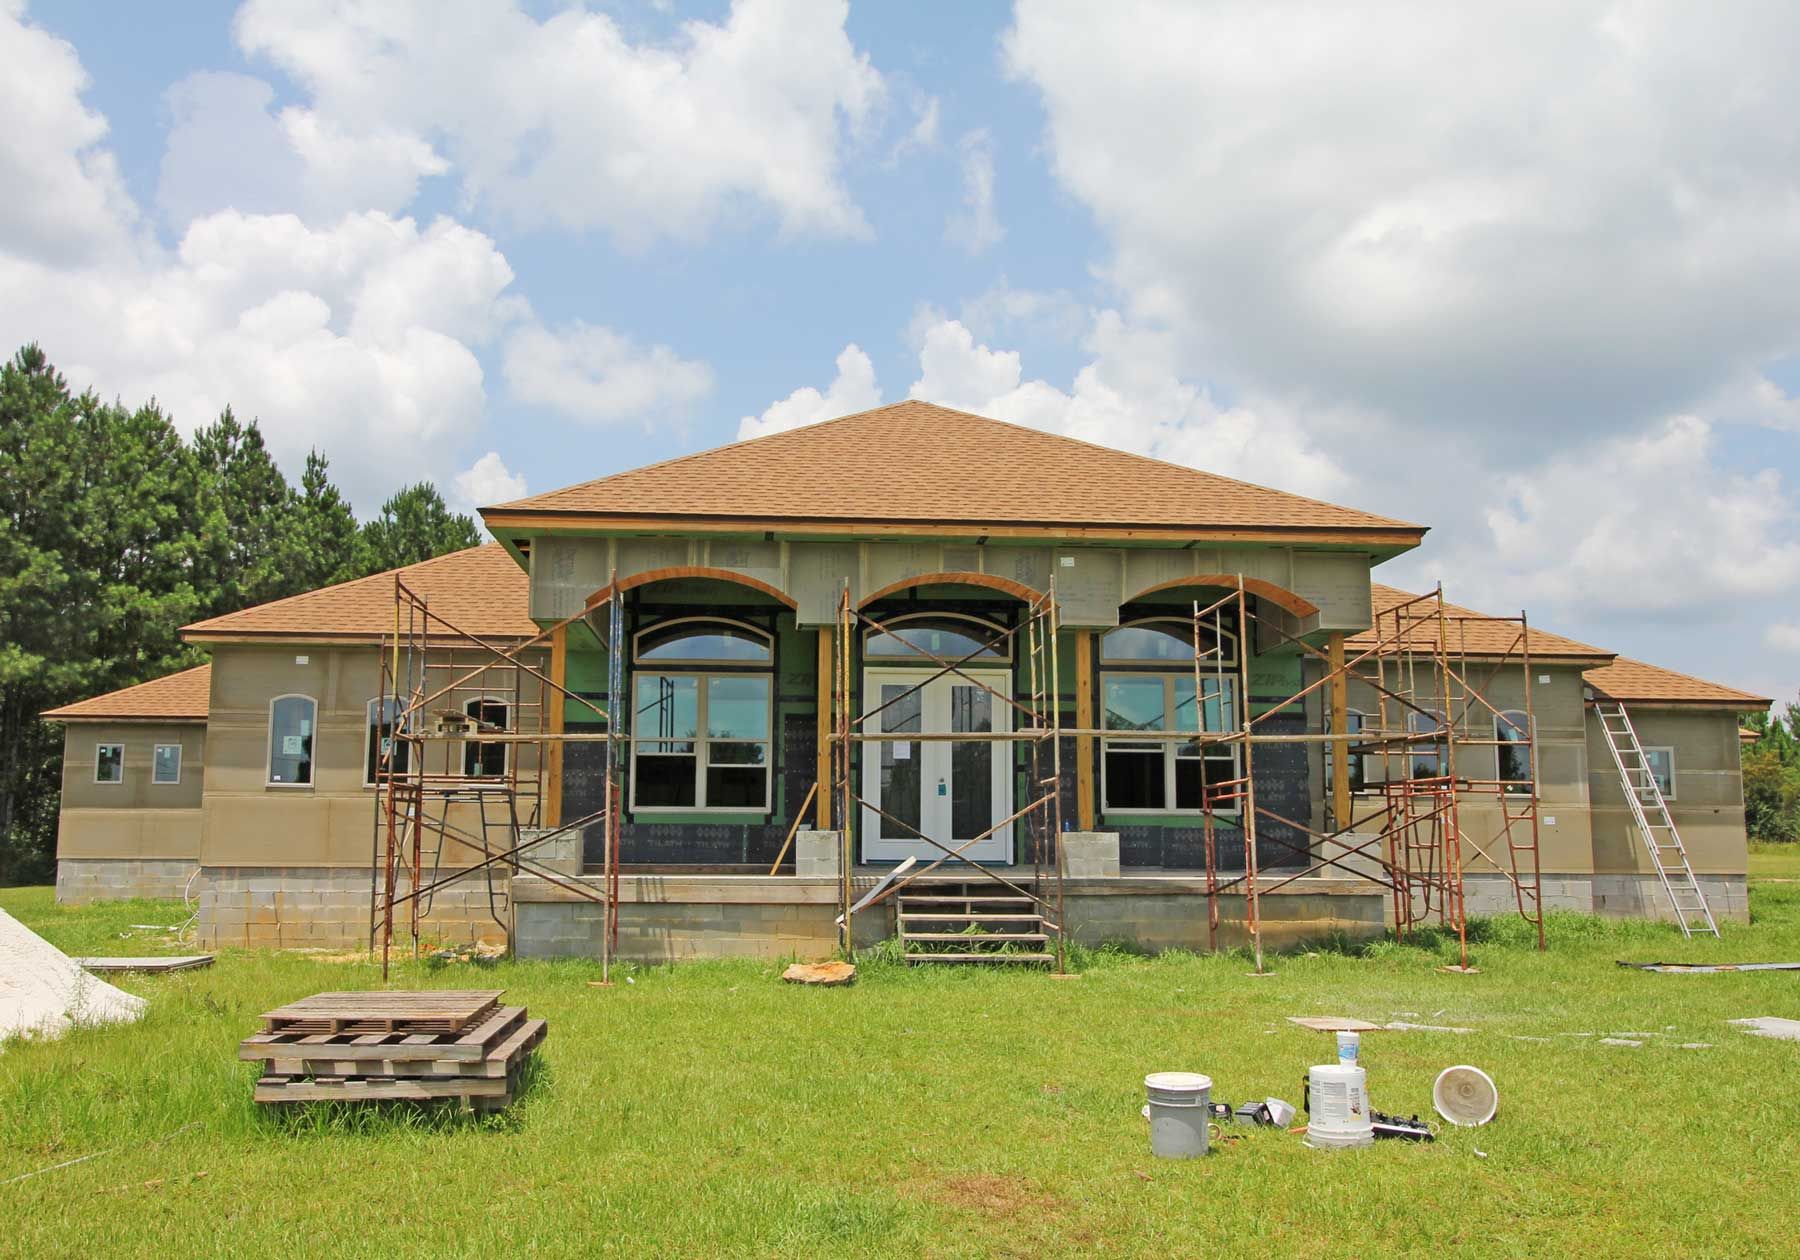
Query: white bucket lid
(1347,1072)
(1178,1082)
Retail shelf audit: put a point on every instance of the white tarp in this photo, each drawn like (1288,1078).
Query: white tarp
(44,992)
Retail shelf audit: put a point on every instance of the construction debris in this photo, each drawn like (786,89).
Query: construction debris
(1706,968)
(1771,1026)
(826,973)
(394,1046)
(1403,1026)
(44,992)
(177,962)
(1332,1023)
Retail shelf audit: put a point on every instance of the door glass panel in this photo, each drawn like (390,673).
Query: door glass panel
(900,762)
(971,764)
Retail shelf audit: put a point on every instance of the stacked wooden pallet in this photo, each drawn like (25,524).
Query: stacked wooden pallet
(394,1046)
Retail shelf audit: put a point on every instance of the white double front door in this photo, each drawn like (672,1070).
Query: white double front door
(950,790)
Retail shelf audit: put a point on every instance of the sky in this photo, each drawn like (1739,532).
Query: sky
(1528,274)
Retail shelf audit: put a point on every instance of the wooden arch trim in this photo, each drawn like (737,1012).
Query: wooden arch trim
(1017,590)
(674,572)
(1280,596)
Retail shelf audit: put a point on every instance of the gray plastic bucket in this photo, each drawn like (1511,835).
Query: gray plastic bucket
(1180,1111)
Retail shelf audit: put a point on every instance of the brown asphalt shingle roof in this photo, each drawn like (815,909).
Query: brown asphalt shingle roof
(916,462)
(1476,638)
(179,697)
(1629,680)
(482,590)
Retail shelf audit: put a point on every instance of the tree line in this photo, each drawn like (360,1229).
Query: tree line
(1772,776)
(115,532)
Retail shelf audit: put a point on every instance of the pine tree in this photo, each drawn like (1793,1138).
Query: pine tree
(324,545)
(249,507)
(416,525)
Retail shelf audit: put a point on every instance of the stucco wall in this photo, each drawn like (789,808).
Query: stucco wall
(248,821)
(1708,807)
(134,819)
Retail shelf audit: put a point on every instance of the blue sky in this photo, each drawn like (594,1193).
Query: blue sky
(1548,308)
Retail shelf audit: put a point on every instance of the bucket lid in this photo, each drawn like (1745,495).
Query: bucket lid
(1178,1082)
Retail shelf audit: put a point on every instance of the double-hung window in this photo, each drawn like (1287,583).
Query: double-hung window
(165,764)
(1512,752)
(1429,758)
(485,760)
(703,701)
(381,751)
(109,763)
(1148,684)
(1360,777)
(1661,763)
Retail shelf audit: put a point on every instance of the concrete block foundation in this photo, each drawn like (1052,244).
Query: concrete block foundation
(81,880)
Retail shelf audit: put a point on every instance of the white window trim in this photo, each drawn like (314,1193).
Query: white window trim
(269,743)
(701,740)
(1440,748)
(176,781)
(110,743)
(1669,795)
(993,631)
(666,664)
(1168,750)
(1371,786)
(1529,724)
(476,740)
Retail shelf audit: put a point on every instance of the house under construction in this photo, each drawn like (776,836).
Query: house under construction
(911,672)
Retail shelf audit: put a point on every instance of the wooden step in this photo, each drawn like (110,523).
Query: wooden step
(993,957)
(983,937)
(960,899)
(974,915)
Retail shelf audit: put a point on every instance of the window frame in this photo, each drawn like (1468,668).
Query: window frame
(1361,784)
(312,759)
(1526,724)
(667,664)
(1171,751)
(1440,748)
(703,741)
(474,744)
(1668,794)
(369,728)
(109,743)
(155,749)
(1000,640)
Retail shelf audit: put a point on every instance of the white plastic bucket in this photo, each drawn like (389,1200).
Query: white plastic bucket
(1180,1107)
(1349,1047)
(1338,1107)
(1465,1096)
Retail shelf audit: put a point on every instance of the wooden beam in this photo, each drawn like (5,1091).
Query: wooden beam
(553,777)
(1339,693)
(822,686)
(1084,720)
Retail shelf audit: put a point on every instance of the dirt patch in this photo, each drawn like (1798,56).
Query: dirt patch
(997,1197)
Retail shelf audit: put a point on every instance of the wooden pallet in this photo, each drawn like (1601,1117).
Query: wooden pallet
(426,1011)
(478,1065)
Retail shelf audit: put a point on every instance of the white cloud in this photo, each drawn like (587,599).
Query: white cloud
(923,134)
(488,481)
(1130,395)
(598,376)
(564,122)
(1506,218)
(1647,523)
(76,208)
(1783,636)
(976,227)
(853,389)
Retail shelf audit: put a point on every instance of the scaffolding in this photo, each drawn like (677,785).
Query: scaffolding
(468,732)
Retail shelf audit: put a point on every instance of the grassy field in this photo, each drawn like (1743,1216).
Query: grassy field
(710,1110)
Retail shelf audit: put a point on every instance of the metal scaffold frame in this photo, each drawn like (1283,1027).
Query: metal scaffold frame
(1037,725)
(1412,840)
(440,687)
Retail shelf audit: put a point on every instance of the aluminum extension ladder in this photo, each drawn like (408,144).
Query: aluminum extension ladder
(1651,812)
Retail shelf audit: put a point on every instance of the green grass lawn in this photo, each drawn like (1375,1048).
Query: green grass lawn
(711,1110)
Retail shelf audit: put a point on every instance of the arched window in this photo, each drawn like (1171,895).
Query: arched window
(702,706)
(291,740)
(486,761)
(1166,640)
(948,636)
(1149,684)
(1512,733)
(704,641)
(379,742)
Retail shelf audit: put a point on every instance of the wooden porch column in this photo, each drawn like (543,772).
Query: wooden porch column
(553,722)
(822,685)
(1084,719)
(1339,693)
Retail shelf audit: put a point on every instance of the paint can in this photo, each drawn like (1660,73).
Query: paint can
(1338,1107)
(1180,1107)
(1349,1047)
